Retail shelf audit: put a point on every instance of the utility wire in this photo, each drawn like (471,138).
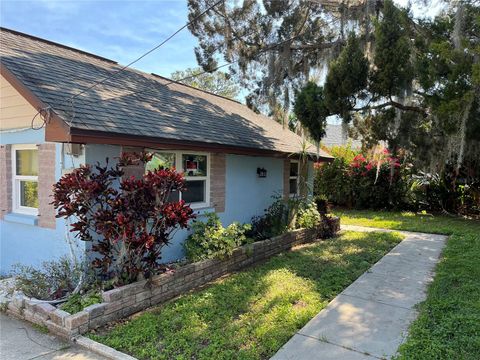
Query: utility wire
(42,112)
(148,52)
(145,89)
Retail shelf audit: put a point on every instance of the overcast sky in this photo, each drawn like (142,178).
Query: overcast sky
(118,30)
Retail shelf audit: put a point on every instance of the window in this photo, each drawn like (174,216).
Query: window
(293,179)
(25,179)
(195,167)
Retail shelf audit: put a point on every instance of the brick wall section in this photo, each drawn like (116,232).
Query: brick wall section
(134,170)
(127,300)
(46,179)
(217,181)
(5,180)
(286,178)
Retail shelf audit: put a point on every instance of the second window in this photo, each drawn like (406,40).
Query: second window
(195,167)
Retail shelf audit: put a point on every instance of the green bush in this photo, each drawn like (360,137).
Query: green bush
(275,220)
(210,239)
(381,181)
(378,182)
(77,302)
(332,180)
(308,216)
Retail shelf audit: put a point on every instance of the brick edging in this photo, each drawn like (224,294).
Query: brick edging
(129,299)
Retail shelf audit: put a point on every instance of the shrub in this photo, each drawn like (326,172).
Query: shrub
(78,302)
(127,220)
(273,222)
(435,192)
(53,280)
(333,182)
(210,239)
(375,182)
(308,216)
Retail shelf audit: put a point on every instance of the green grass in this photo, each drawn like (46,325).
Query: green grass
(251,314)
(448,326)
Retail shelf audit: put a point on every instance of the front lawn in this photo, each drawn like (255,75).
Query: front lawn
(251,314)
(448,326)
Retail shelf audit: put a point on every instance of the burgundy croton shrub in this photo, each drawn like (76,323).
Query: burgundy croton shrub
(127,220)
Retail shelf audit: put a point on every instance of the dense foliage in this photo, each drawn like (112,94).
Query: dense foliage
(78,302)
(397,77)
(381,181)
(376,182)
(420,95)
(126,220)
(210,239)
(308,216)
(273,222)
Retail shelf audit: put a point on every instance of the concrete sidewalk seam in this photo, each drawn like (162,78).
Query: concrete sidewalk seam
(374,300)
(341,346)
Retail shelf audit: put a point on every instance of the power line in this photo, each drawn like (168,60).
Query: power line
(41,112)
(145,89)
(147,53)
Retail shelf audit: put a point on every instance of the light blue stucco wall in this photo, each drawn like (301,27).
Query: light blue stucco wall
(30,244)
(246,195)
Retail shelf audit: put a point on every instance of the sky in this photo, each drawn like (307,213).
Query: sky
(118,30)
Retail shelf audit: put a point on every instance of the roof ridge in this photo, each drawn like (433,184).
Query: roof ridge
(58,44)
(193,87)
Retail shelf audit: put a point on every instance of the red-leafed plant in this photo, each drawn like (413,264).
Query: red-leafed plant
(127,220)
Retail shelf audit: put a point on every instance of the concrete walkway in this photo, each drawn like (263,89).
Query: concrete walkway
(20,341)
(370,318)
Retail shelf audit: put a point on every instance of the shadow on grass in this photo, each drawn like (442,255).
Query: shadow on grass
(251,314)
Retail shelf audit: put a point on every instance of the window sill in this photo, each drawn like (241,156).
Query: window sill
(202,211)
(21,219)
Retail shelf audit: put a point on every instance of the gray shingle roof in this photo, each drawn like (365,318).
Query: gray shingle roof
(133,102)
(335,135)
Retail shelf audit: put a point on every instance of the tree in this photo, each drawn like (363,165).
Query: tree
(421,93)
(311,111)
(274,45)
(219,83)
(347,77)
(411,82)
(127,220)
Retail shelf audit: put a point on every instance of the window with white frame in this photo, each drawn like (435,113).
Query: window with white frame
(195,167)
(293,178)
(25,179)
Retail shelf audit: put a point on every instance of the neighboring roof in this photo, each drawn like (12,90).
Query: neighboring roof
(123,105)
(336,135)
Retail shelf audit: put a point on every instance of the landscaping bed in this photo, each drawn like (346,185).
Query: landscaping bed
(124,301)
(251,314)
(448,325)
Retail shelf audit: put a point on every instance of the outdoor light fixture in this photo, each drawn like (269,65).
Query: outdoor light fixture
(261,172)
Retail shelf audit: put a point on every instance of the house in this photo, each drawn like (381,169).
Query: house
(219,143)
(336,135)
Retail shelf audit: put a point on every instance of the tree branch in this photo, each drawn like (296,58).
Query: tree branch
(396,105)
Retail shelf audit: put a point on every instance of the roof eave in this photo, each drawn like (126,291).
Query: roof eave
(57,130)
(56,123)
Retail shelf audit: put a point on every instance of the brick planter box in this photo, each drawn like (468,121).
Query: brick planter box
(127,300)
